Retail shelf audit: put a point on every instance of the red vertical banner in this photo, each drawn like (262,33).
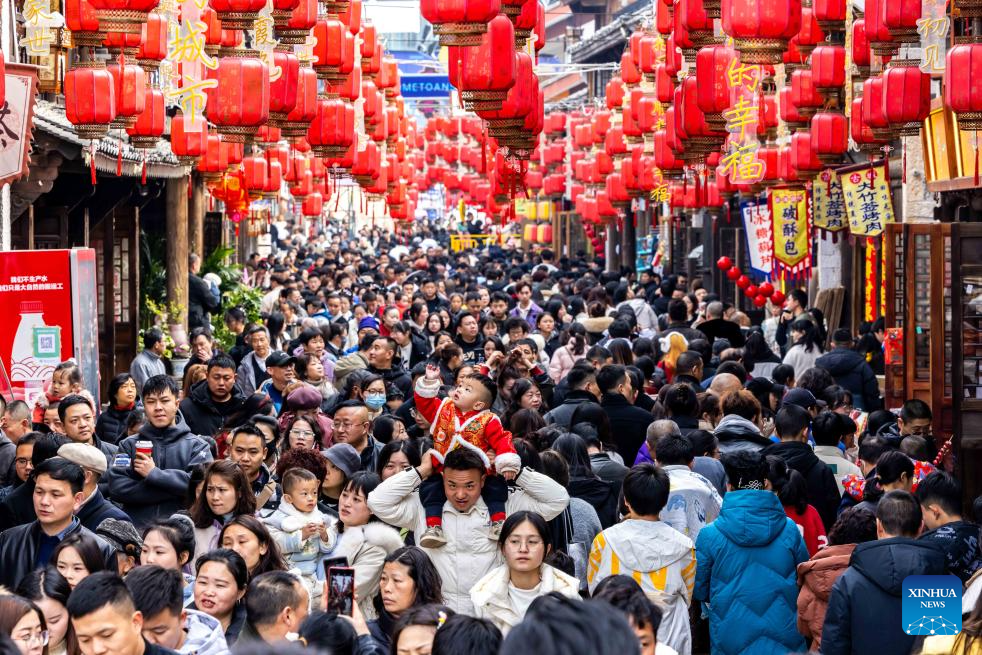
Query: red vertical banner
(36,299)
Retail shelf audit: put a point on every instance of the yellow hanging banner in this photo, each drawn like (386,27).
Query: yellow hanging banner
(792,232)
(828,204)
(868,201)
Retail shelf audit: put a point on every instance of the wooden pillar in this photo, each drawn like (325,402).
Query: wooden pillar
(177,246)
(196,216)
(628,240)
(613,242)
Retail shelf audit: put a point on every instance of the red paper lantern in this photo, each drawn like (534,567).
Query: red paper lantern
(83,21)
(130,84)
(283,90)
(296,122)
(335,50)
(614,93)
(332,131)
(485,73)
(874,111)
(860,47)
(881,41)
(293,28)
(149,125)
(901,19)
(214,160)
(188,140)
(906,98)
(237,14)
(123,15)
(240,102)
(153,45)
(829,136)
(459,22)
(962,93)
(830,14)
(713,95)
(90,103)
(829,67)
(761,29)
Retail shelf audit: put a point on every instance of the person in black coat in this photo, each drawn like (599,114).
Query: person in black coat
(212,400)
(716,327)
(201,300)
(792,424)
(123,400)
(864,610)
(851,372)
(628,423)
(584,484)
(28,547)
(409,341)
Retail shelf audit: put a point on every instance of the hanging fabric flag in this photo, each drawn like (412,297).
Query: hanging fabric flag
(760,240)
(828,204)
(868,201)
(792,232)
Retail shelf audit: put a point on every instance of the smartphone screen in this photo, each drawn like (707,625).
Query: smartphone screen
(340,589)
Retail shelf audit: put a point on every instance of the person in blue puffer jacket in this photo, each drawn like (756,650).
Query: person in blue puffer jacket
(746,563)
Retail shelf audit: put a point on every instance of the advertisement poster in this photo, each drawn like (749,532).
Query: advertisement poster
(36,299)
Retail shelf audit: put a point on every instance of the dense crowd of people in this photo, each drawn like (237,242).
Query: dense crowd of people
(513,452)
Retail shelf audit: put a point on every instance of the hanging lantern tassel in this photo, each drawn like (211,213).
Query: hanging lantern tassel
(92,161)
(976,159)
(119,160)
(190,183)
(143,175)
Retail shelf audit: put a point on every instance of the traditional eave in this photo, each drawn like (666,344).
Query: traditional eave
(610,37)
(161,163)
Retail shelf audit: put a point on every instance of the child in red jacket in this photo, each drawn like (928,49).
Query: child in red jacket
(464,420)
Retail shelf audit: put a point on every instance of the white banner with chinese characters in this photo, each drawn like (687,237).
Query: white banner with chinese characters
(760,242)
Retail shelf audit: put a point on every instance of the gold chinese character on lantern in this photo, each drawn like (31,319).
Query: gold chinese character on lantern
(187,44)
(742,166)
(191,97)
(741,115)
(743,75)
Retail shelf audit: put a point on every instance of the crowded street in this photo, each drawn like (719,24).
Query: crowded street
(490,327)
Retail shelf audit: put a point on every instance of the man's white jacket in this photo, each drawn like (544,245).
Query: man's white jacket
(469,554)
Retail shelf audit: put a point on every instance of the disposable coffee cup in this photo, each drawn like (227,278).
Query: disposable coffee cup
(144,447)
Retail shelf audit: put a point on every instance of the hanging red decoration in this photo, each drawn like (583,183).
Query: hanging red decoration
(761,29)
(240,102)
(90,103)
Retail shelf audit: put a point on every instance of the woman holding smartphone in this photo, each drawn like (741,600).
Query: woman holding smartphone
(363,539)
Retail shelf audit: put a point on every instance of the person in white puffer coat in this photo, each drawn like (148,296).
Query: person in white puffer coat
(300,529)
(469,554)
(363,540)
(504,595)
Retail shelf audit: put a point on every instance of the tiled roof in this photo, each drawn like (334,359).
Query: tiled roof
(160,162)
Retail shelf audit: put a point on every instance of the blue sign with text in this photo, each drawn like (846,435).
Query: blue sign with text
(425,86)
(932,605)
